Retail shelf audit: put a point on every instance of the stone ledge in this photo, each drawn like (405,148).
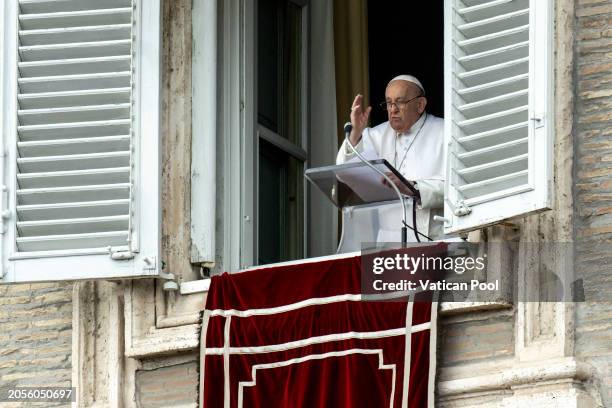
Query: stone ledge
(520,374)
(453,308)
(165,341)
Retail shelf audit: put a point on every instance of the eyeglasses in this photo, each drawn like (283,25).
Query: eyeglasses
(398,104)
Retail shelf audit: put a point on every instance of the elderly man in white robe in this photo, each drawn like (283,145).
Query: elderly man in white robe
(412,141)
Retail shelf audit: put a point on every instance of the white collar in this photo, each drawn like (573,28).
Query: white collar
(415,127)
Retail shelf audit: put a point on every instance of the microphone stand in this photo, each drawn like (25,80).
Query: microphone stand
(348,127)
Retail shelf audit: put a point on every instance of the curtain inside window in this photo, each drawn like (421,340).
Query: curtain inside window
(351,56)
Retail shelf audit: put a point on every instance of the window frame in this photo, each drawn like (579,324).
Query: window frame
(204,131)
(142,258)
(298,151)
(237,123)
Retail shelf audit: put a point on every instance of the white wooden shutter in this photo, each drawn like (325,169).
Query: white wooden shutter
(81,133)
(498,83)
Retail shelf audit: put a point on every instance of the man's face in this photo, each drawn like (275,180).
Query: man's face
(405,110)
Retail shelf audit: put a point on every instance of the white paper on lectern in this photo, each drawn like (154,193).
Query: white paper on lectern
(364,181)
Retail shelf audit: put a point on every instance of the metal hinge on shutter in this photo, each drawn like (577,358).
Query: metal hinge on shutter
(460,208)
(5,212)
(122,255)
(170,280)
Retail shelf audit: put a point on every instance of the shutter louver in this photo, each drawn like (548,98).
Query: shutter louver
(491,83)
(498,107)
(74,133)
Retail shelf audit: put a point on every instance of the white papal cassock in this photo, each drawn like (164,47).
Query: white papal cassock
(419,156)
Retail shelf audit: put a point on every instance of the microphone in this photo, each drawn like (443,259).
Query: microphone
(348,127)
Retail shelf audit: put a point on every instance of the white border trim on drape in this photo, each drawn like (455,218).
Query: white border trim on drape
(343,353)
(316,340)
(309,302)
(226,367)
(407,350)
(285,308)
(203,332)
(433,343)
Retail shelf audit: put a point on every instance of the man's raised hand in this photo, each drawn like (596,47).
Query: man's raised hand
(359,119)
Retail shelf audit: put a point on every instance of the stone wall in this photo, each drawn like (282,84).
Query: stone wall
(593,188)
(35,336)
(162,383)
(476,337)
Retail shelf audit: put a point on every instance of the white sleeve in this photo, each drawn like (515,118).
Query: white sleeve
(432,193)
(346,153)
(431,189)
(366,147)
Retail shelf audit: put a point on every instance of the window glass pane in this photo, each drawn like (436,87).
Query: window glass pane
(281,201)
(279,67)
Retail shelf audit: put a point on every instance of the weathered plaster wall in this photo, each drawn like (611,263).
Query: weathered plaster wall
(171,380)
(35,336)
(593,188)
(176,136)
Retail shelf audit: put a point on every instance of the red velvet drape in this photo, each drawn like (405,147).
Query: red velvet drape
(298,336)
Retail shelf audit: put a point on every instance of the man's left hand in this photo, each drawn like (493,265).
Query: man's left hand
(400,185)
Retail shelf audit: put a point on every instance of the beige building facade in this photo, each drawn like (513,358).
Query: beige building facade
(135,343)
